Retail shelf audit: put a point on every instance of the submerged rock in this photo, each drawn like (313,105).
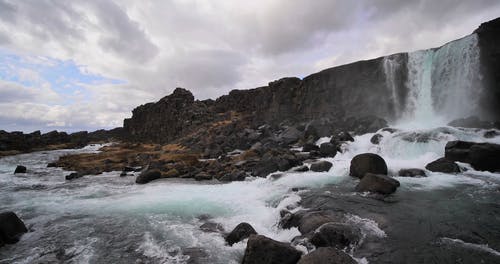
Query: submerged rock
(263,250)
(336,235)
(367,163)
(413,172)
(443,165)
(73,175)
(491,134)
(51,165)
(148,176)
(382,184)
(240,232)
(211,227)
(20,169)
(327,255)
(302,168)
(11,228)
(321,166)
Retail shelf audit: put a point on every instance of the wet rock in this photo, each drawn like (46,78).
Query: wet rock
(148,176)
(20,169)
(264,168)
(443,165)
(308,147)
(471,122)
(390,130)
(336,235)
(485,157)
(310,221)
(321,166)
(367,163)
(11,228)
(413,172)
(301,169)
(196,255)
(128,169)
(211,227)
(233,176)
(240,232)
(328,149)
(491,134)
(123,174)
(376,139)
(203,176)
(377,183)
(73,175)
(51,165)
(263,250)
(342,137)
(327,255)
(458,150)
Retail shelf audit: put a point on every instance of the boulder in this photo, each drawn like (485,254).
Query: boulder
(321,166)
(202,176)
(443,165)
(336,235)
(327,255)
(123,174)
(413,172)
(458,150)
(328,149)
(233,176)
(367,163)
(73,175)
(308,147)
(20,169)
(148,176)
(342,137)
(377,183)
(240,232)
(310,221)
(289,135)
(263,250)
(302,168)
(11,228)
(485,157)
(376,139)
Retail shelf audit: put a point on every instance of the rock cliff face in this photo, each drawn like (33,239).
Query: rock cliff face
(339,96)
(489,45)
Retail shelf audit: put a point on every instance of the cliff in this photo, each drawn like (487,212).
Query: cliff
(338,96)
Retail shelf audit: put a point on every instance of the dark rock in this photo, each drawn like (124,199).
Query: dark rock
(458,150)
(128,169)
(51,165)
(123,174)
(310,147)
(328,149)
(203,176)
(211,227)
(289,135)
(390,130)
(485,157)
(491,134)
(73,175)
(336,235)
(367,163)
(443,165)
(263,250)
(234,176)
(301,169)
(342,137)
(414,172)
(11,228)
(328,255)
(310,221)
(20,169)
(240,232)
(376,139)
(264,168)
(196,255)
(148,176)
(321,166)
(377,183)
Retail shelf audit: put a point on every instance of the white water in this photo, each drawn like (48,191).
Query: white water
(443,84)
(390,68)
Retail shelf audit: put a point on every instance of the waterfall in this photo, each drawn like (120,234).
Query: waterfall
(443,84)
(391,65)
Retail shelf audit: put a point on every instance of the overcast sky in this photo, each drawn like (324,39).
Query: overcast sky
(73,65)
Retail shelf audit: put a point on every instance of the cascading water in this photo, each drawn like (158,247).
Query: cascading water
(391,66)
(443,84)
